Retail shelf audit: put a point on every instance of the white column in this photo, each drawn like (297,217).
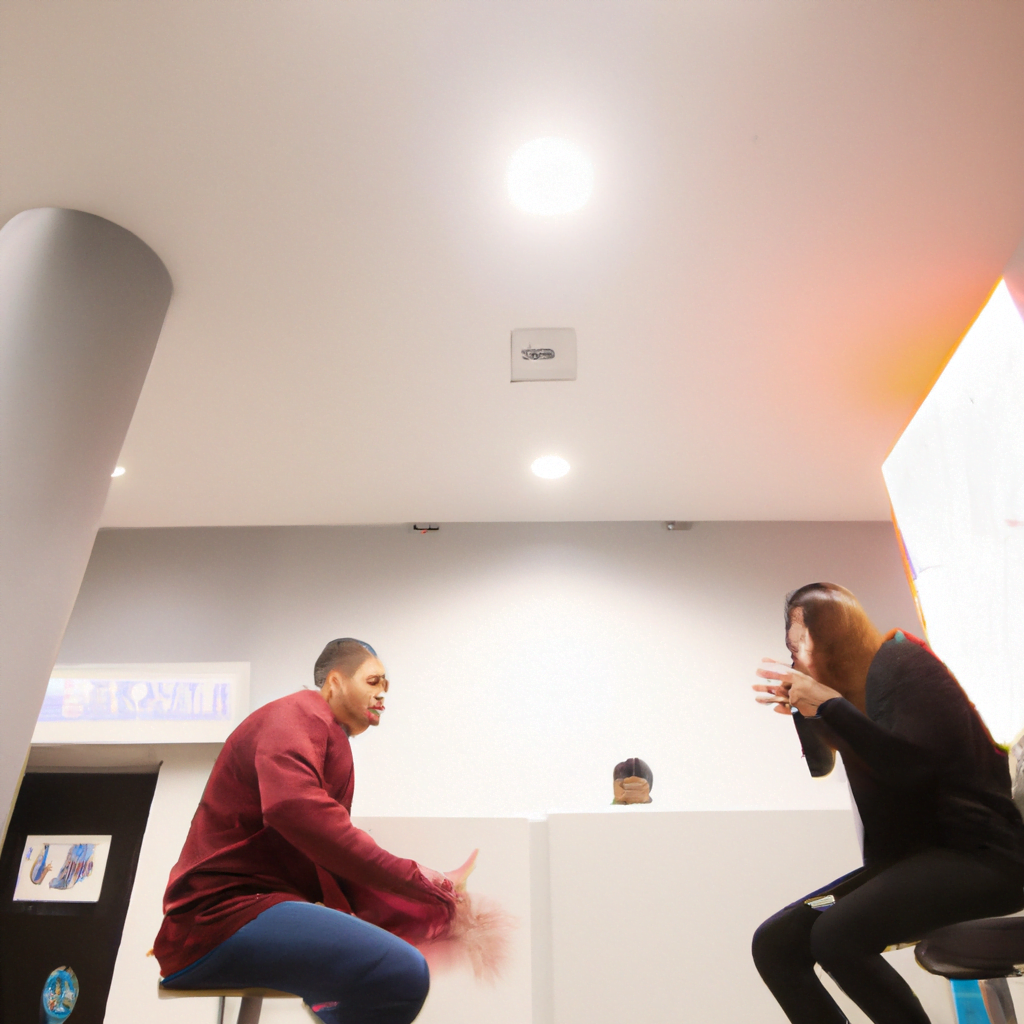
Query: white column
(82,302)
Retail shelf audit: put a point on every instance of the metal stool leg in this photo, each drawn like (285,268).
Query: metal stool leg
(996,994)
(220,1010)
(249,1011)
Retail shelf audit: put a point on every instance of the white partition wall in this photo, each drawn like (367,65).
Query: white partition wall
(647,916)
(652,914)
(503,874)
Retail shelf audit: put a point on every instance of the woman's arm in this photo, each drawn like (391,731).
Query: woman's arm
(891,757)
(924,714)
(921,723)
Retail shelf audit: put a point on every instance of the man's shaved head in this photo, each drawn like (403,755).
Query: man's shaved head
(345,655)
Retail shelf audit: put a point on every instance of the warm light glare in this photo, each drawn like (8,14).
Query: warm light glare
(550,467)
(550,176)
(119,471)
(956,482)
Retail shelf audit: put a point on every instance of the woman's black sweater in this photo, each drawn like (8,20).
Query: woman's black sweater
(922,766)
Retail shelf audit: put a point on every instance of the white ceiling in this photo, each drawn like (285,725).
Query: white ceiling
(800,206)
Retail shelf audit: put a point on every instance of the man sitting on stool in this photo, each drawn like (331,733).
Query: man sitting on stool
(261,894)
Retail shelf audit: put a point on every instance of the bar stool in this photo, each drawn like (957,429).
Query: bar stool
(248,1012)
(977,957)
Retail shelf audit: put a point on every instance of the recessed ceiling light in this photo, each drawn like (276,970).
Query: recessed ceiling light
(550,176)
(550,467)
(118,471)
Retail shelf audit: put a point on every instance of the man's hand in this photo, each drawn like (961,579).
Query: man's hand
(792,689)
(460,875)
(437,877)
(452,881)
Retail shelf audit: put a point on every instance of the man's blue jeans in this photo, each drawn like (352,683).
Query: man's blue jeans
(349,971)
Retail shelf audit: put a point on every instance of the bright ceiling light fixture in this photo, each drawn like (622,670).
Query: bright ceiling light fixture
(550,467)
(118,471)
(550,176)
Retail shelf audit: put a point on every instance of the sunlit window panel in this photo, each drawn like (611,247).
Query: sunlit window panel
(956,482)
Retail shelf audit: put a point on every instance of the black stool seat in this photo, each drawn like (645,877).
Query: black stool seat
(990,948)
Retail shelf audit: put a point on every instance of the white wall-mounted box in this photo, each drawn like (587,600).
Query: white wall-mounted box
(543,353)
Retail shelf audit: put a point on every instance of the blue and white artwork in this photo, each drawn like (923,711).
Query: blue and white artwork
(78,865)
(62,869)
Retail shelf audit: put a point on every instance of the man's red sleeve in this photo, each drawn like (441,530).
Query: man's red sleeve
(289,767)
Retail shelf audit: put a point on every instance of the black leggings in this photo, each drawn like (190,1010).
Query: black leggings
(875,908)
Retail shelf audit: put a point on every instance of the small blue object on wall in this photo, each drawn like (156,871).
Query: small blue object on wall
(60,993)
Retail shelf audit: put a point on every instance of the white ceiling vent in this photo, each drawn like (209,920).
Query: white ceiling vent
(544,353)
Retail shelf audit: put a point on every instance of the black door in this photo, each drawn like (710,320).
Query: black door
(37,937)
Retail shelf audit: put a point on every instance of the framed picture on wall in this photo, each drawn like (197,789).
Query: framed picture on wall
(62,869)
(184,702)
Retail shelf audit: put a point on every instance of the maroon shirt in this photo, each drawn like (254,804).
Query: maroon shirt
(274,825)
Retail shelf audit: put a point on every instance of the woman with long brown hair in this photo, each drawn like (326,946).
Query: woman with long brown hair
(942,840)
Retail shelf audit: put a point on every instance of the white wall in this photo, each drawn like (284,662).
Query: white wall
(526,659)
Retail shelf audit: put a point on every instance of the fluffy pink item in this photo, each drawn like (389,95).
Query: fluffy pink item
(479,935)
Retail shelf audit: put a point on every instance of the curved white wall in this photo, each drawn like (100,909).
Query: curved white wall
(82,302)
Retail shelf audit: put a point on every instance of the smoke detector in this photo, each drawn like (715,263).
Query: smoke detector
(543,353)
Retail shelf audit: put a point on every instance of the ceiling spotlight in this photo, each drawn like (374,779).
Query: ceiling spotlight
(550,467)
(550,176)
(118,471)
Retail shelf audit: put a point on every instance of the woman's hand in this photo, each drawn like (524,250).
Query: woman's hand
(777,694)
(792,689)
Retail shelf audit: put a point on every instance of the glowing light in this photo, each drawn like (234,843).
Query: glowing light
(550,176)
(118,471)
(550,467)
(956,481)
